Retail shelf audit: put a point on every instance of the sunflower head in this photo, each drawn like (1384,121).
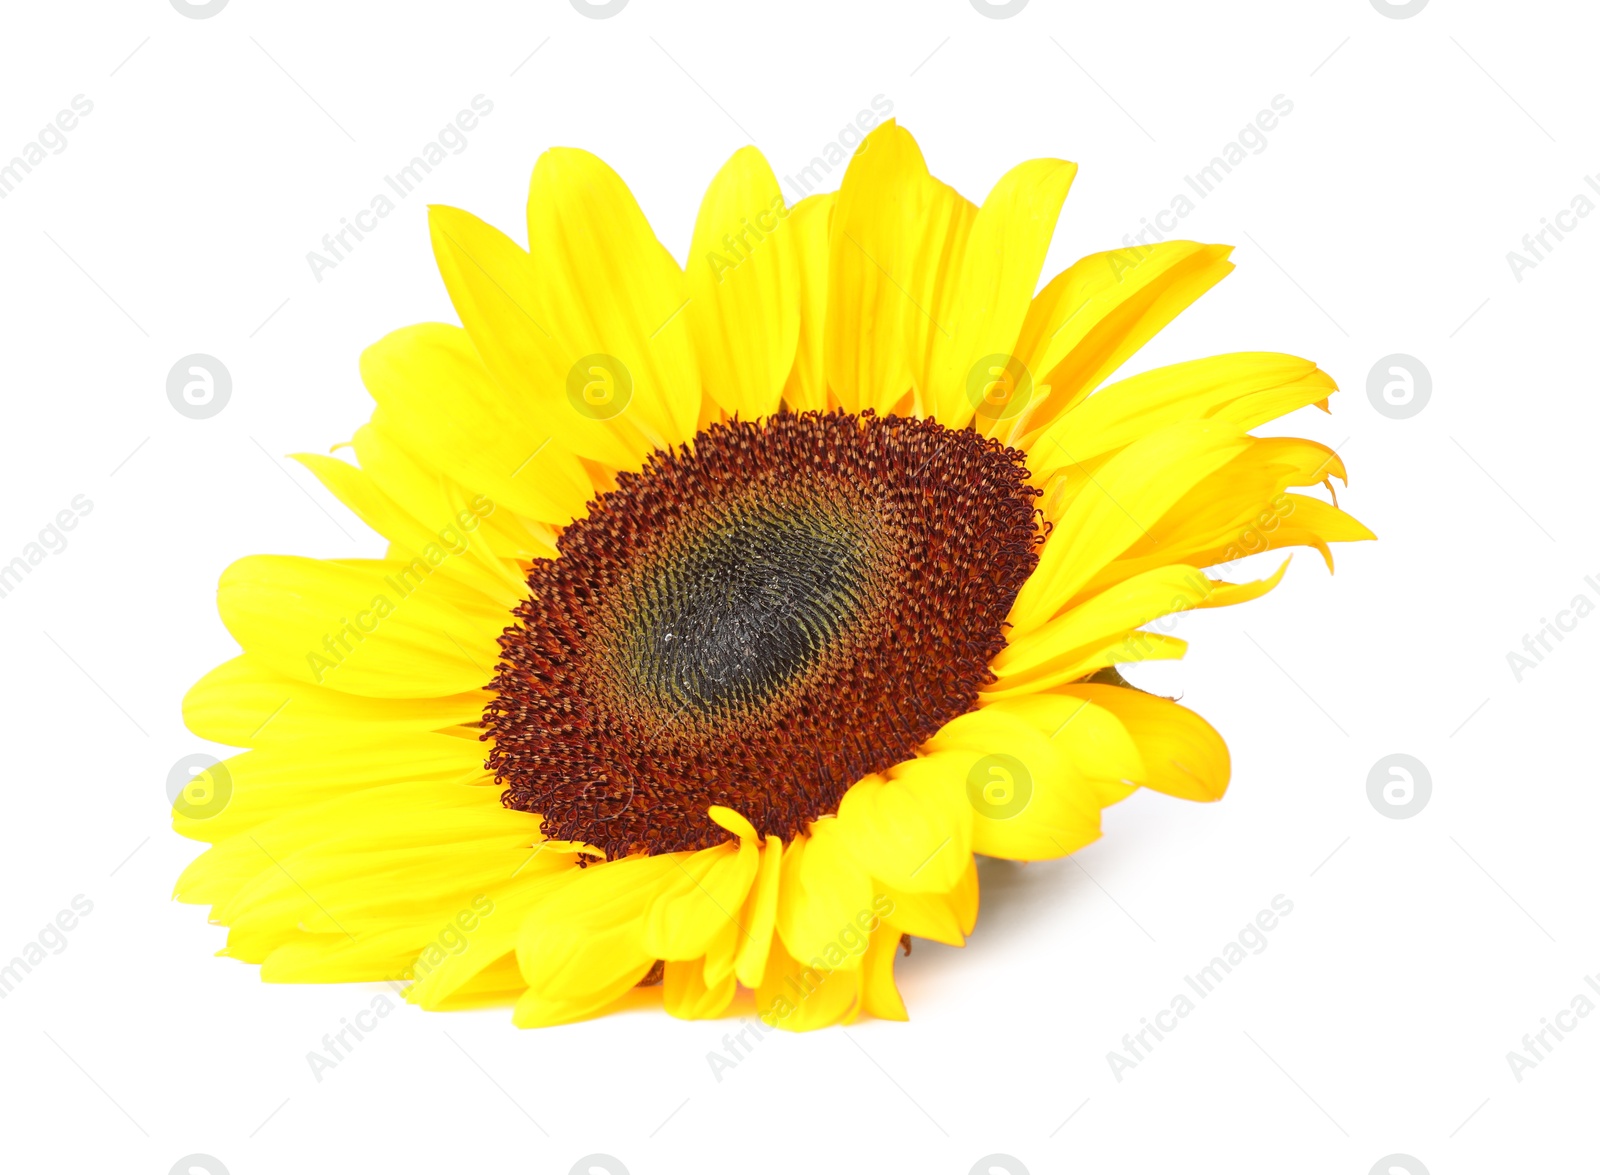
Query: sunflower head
(730,611)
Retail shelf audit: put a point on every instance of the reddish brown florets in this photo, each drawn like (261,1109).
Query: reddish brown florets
(758,620)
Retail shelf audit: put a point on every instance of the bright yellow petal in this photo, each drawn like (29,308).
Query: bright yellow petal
(363,626)
(582,947)
(1119,610)
(1244,389)
(743,285)
(1224,594)
(611,287)
(686,995)
(494,939)
(442,403)
(490,571)
(1243,508)
(1095,314)
(246,703)
(1000,269)
(801,997)
(1125,497)
(1027,803)
(912,831)
(701,902)
(1095,747)
(894,255)
(807,389)
(941,917)
(879,996)
(759,916)
(263,784)
(1183,755)
(824,894)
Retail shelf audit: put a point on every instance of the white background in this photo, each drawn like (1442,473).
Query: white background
(1376,220)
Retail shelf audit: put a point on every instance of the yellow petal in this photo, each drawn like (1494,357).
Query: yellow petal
(1126,497)
(1117,611)
(494,985)
(262,784)
(1244,389)
(1129,649)
(941,917)
(246,703)
(363,626)
(1183,755)
(743,287)
(759,916)
(582,947)
(1223,594)
(800,997)
(894,255)
(824,897)
(489,571)
(879,996)
(611,287)
(807,388)
(700,901)
(1240,509)
(1093,744)
(912,831)
(589,386)
(442,402)
(492,940)
(685,993)
(457,521)
(1027,803)
(1000,268)
(1093,315)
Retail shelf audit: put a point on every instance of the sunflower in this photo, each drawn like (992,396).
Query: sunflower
(729,613)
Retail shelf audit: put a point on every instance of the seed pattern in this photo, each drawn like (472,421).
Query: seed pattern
(757,620)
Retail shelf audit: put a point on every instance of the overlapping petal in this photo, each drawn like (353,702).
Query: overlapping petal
(364,838)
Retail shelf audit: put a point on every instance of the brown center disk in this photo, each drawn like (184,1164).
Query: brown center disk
(757,620)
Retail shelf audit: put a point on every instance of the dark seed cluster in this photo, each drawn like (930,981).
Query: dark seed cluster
(757,620)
